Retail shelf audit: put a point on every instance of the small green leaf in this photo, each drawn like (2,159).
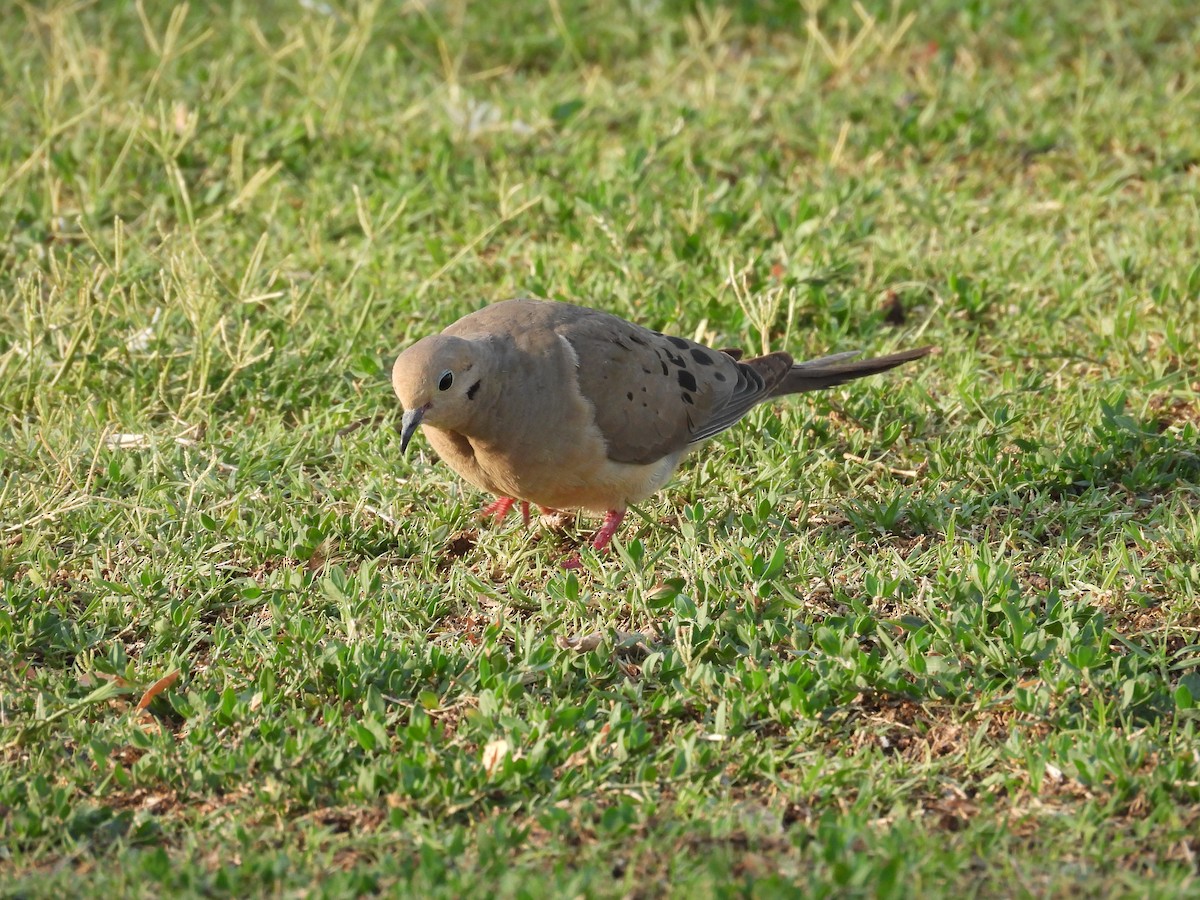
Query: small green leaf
(561,112)
(364,735)
(1184,698)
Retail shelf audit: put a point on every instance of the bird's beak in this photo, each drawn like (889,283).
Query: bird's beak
(408,425)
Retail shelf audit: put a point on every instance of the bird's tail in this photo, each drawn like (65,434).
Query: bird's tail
(828,371)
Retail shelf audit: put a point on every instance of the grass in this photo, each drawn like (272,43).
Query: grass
(935,632)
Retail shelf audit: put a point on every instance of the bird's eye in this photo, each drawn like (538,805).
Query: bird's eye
(447,380)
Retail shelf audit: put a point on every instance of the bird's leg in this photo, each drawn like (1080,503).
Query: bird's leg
(545,510)
(612,521)
(498,509)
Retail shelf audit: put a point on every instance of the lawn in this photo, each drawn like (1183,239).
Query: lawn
(934,632)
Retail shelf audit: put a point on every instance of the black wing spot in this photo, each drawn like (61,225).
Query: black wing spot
(719,376)
(638,339)
(702,356)
(629,395)
(687,398)
(686,380)
(664,365)
(620,343)
(678,342)
(471,391)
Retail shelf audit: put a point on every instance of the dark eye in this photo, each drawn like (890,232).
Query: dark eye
(447,380)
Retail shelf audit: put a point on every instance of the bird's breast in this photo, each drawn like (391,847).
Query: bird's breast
(572,473)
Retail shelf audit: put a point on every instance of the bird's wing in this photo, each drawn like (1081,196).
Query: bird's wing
(654,394)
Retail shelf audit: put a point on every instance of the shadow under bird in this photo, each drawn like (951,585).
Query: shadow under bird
(567,407)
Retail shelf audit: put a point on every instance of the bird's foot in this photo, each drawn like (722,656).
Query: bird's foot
(612,521)
(525,517)
(499,508)
(602,538)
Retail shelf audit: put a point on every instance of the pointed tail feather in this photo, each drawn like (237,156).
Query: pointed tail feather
(840,368)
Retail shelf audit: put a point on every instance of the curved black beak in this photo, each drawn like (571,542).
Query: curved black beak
(408,425)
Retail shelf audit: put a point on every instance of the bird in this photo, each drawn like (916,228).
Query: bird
(571,408)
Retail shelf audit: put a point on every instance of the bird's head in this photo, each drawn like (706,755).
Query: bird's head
(436,380)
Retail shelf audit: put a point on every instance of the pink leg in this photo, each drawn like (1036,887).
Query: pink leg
(498,509)
(612,521)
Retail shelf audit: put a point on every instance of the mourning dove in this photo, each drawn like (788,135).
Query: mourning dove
(572,408)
